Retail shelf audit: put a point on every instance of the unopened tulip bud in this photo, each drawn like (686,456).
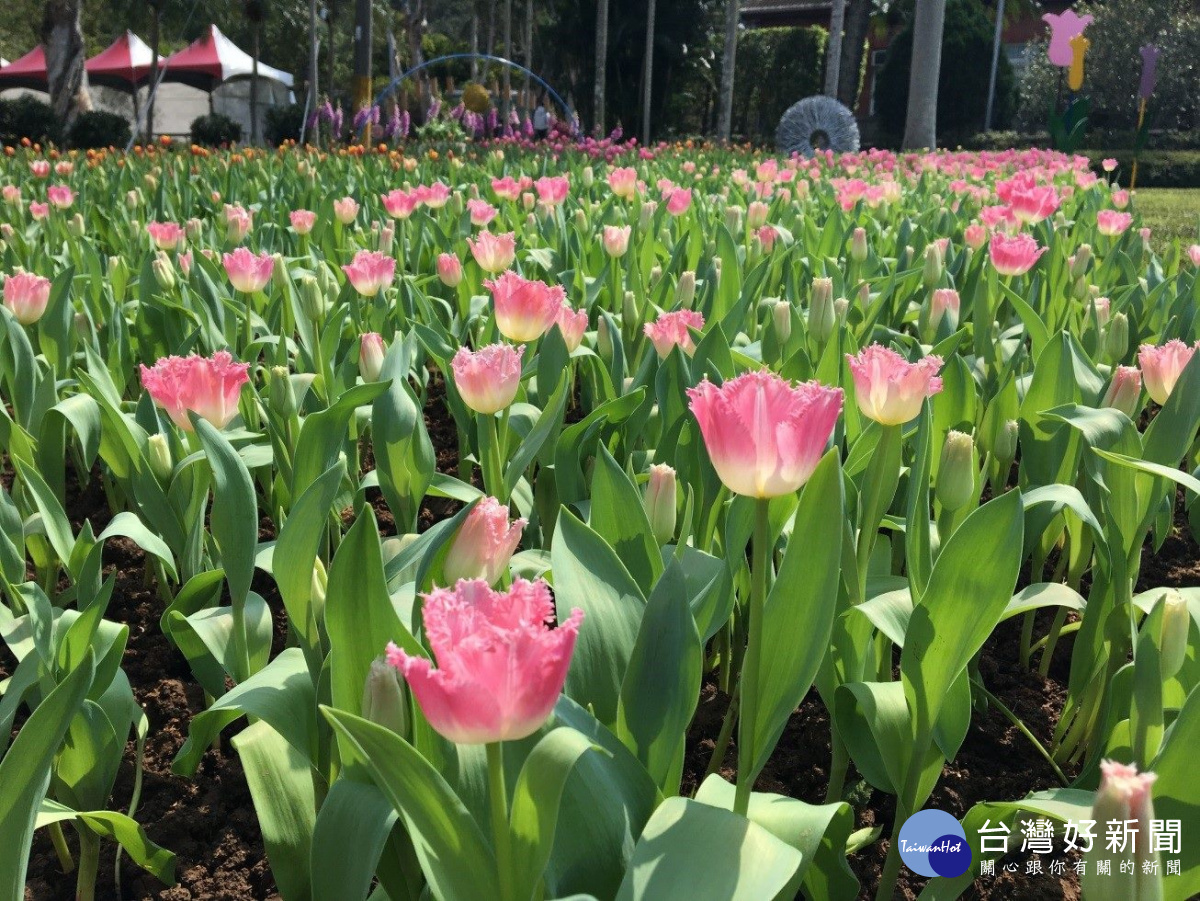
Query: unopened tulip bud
(456,205)
(385,699)
(450,270)
(83,326)
(1081,261)
(646,215)
(821,315)
(528,201)
(75,226)
(733,219)
(1116,339)
(158,453)
(616,240)
(841,308)
(655,275)
(1006,441)
(1124,798)
(858,245)
(685,290)
(387,235)
(164,272)
(589,176)
(956,475)
(1124,391)
(604,344)
(756,214)
(660,502)
(279,273)
(906,257)
(312,298)
(781,316)
(932,273)
(1173,641)
(581,223)
(283,396)
(194,229)
(371,351)
(132,198)
(530,223)
(943,303)
(1080,288)
(629,308)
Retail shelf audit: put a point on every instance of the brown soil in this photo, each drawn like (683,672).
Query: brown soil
(209,823)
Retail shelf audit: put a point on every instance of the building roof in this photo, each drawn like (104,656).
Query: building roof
(762,13)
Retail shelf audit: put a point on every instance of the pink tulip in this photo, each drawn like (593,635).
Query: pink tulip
(623,182)
(481,212)
(40,168)
(1124,391)
(552,190)
(1014,255)
(679,201)
(400,204)
(1193,252)
(346,210)
(943,301)
(488,379)
(1103,308)
(764,436)
(449,269)
(248,272)
(208,387)
(975,235)
(12,194)
(1110,223)
(38,211)
(1033,204)
(238,222)
(572,324)
(370,272)
(888,388)
(185,263)
(493,253)
(756,214)
(60,196)
(165,235)
(506,188)
(371,353)
(674,330)
(64,168)
(616,240)
(1162,367)
(525,309)
(434,196)
(1120,199)
(26,296)
(484,544)
(302,221)
(766,237)
(500,670)
(1109,164)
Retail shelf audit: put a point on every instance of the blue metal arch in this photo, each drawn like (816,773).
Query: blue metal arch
(395,82)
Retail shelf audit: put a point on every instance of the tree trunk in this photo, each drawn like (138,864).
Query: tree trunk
(648,71)
(155,15)
(528,54)
(474,42)
(833,52)
(601,66)
(920,126)
(63,40)
(332,55)
(728,68)
(506,100)
(313,65)
(858,20)
(254,129)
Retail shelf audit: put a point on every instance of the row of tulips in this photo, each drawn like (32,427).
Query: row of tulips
(773,424)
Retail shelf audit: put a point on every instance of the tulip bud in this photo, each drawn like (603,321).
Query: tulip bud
(450,270)
(756,214)
(820,309)
(283,396)
(279,273)
(387,235)
(1005,449)
(659,500)
(530,223)
(456,204)
(1116,339)
(1124,797)
(1173,639)
(83,326)
(655,275)
(932,273)
(371,351)
(75,226)
(385,700)
(841,307)
(164,272)
(956,475)
(629,308)
(319,584)
(1081,261)
(312,299)
(158,453)
(781,316)
(589,177)
(685,290)
(1124,391)
(581,223)
(132,198)
(858,245)
(528,201)
(604,344)
(943,303)
(646,215)
(733,219)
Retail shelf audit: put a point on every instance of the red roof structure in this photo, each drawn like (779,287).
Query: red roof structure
(124,64)
(27,72)
(213,59)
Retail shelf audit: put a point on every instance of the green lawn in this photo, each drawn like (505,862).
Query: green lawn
(1170,213)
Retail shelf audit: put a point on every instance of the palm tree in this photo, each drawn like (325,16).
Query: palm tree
(833,55)
(728,66)
(601,64)
(858,19)
(920,127)
(63,40)
(256,12)
(648,71)
(312,61)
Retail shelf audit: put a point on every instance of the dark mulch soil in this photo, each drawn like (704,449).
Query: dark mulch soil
(209,821)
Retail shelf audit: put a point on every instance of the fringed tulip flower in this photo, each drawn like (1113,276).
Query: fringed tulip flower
(500,669)
(1123,805)
(302,221)
(616,240)
(888,388)
(370,272)
(975,235)
(1014,255)
(40,168)
(1034,204)
(1162,367)
(248,272)
(525,308)
(26,296)
(1193,252)
(488,378)
(1110,223)
(449,269)
(679,201)
(165,235)
(572,324)
(371,352)
(493,253)
(1124,391)
(38,211)
(238,222)
(552,189)
(60,196)
(764,436)
(484,544)
(674,330)
(208,387)
(481,212)
(400,204)
(623,182)
(1103,308)
(346,210)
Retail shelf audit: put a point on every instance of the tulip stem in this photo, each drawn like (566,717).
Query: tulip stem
(500,830)
(493,471)
(65,860)
(89,864)
(749,673)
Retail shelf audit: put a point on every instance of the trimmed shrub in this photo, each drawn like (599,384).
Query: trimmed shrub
(99,129)
(794,60)
(282,123)
(28,117)
(963,82)
(214,130)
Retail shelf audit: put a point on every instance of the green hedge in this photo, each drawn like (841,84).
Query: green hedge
(775,68)
(1156,168)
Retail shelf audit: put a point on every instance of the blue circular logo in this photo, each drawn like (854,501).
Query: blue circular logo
(933,843)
